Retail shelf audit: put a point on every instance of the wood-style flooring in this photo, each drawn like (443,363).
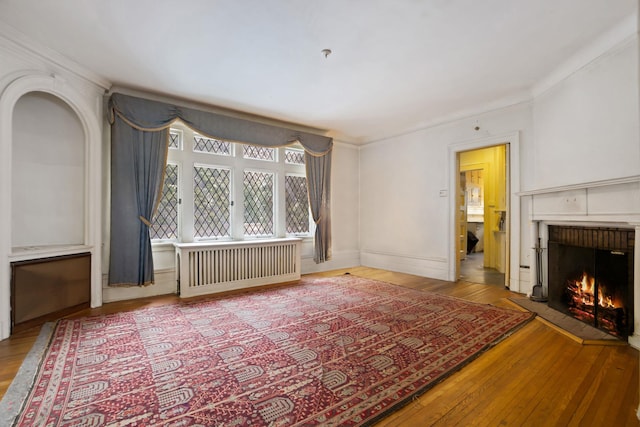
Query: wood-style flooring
(535,377)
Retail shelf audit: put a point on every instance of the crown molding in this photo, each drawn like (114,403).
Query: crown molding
(520,99)
(345,144)
(611,41)
(37,51)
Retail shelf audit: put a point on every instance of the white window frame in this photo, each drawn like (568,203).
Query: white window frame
(311,221)
(186,158)
(231,208)
(274,208)
(179,236)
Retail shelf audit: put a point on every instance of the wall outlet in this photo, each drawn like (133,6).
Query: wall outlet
(443,193)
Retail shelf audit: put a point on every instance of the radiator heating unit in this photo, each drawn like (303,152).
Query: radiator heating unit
(209,267)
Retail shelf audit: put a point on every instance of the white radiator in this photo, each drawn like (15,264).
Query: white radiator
(204,268)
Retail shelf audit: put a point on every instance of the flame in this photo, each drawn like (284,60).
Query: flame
(584,289)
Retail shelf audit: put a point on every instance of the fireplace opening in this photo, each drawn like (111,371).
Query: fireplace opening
(591,276)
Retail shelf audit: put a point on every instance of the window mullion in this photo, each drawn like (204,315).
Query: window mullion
(186,207)
(238,196)
(280,199)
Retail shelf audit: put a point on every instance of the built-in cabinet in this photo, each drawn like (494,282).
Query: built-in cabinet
(43,289)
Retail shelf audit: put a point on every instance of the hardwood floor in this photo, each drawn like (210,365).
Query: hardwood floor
(535,377)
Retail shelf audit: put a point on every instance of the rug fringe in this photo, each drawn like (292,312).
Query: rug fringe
(14,399)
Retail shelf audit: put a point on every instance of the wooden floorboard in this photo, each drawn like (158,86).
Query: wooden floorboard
(535,377)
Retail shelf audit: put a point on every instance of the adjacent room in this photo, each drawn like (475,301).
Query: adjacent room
(384,212)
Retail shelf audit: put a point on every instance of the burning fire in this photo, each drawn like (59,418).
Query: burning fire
(583,291)
(608,312)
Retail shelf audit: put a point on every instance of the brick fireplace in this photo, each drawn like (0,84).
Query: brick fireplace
(586,239)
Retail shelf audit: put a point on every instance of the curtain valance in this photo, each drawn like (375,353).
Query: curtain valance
(149,115)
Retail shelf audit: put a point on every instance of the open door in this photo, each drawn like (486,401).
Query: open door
(461,226)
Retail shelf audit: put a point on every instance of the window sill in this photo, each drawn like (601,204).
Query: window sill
(170,245)
(234,242)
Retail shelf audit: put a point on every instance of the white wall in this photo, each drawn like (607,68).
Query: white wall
(586,126)
(405,219)
(48,156)
(582,127)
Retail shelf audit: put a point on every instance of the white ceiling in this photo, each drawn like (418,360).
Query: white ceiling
(396,64)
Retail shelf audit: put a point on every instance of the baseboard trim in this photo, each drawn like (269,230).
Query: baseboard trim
(432,267)
(165,284)
(339,260)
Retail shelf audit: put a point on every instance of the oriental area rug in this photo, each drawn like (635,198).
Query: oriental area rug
(327,351)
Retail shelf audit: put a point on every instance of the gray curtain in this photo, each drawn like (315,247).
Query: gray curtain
(138,161)
(139,138)
(318,184)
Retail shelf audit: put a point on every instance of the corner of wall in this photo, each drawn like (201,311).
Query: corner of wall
(616,37)
(338,261)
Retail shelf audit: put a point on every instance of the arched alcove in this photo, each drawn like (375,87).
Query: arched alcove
(48,173)
(41,114)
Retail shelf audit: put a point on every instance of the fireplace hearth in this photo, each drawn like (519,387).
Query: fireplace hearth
(591,276)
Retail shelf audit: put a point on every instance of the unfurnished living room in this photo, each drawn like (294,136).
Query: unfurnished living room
(340,212)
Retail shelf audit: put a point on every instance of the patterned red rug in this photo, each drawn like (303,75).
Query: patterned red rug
(330,351)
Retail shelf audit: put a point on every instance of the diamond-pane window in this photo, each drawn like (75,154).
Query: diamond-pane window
(204,144)
(174,139)
(259,153)
(293,156)
(212,202)
(258,203)
(165,222)
(297,204)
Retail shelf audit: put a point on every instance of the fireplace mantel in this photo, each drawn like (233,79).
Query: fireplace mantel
(606,203)
(610,201)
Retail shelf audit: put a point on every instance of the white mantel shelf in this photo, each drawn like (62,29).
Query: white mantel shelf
(606,202)
(582,186)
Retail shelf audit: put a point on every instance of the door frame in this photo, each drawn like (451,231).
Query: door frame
(512,142)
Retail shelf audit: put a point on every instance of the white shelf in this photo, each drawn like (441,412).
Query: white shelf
(23,253)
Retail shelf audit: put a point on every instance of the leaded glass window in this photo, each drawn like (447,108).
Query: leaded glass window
(203,144)
(294,156)
(272,194)
(258,203)
(297,204)
(259,153)
(165,222)
(175,139)
(211,201)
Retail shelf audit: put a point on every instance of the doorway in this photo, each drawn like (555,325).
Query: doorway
(482,244)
